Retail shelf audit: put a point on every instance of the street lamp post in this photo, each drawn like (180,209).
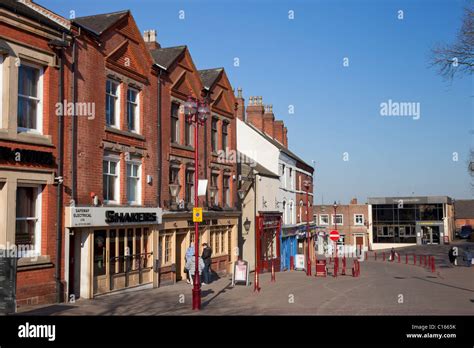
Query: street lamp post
(335,223)
(196,112)
(307,184)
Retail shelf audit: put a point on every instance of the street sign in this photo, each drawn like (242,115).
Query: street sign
(197,214)
(334,235)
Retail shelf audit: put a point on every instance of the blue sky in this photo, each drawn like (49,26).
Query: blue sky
(299,62)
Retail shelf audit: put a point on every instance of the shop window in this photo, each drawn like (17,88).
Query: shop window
(324,219)
(110,179)
(214,134)
(30,98)
(121,251)
(112,103)
(189,193)
(113,251)
(167,249)
(133,110)
(229,241)
(133,182)
(359,219)
(99,252)
(175,123)
(28,226)
(129,250)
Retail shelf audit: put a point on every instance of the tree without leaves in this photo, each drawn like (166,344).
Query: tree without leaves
(457,58)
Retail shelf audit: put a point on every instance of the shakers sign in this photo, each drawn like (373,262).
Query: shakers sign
(108,216)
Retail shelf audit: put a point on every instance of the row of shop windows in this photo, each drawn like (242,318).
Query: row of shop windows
(220,242)
(394,234)
(394,213)
(122,250)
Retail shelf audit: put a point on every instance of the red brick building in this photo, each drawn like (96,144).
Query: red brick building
(111,173)
(30,87)
(179,80)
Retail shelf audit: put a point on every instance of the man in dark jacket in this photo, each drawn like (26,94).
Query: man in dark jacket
(206,257)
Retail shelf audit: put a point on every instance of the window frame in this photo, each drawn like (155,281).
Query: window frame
(38,190)
(321,219)
(337,215)
(136,105)
(116,159)
(116,116)
(226,191)
(358,223)
(175,123)
(215,185)
(189,186)
(215,134)
(39,98)
(138,177)
(225,135)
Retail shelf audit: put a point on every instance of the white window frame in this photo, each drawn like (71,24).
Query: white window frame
(116,123)
(139,181)
(342,219)
(137,110)
(358,223)
(38,231)
(1,91)
(116,159)
(321,220)
(39,108)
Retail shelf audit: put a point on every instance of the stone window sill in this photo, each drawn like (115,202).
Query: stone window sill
(32,263)
(125,133)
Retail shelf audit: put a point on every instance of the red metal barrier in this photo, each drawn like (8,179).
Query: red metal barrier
(356,268)
(336,266)
(321,269)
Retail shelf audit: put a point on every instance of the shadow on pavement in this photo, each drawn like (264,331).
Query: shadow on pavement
(223,290)
(49,310)
(450,286)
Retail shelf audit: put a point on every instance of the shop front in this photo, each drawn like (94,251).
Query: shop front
(218,230)
(110,248)
(268,241)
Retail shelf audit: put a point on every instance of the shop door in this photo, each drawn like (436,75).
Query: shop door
(99,266)
(359,244)
(180,256)
(435,235)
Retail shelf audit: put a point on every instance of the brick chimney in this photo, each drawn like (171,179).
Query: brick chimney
(268,121)
(255,112)
(285,137)
(149,36)
(354,201)
(278,126)
(240,105)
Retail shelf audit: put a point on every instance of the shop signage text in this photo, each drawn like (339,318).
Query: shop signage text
(105,216)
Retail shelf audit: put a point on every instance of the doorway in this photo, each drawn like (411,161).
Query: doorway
(430,234)
(359,244)
(180,256)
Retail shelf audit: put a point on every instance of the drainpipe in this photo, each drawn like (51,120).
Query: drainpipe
(159,144)
(74,122)
(60,46)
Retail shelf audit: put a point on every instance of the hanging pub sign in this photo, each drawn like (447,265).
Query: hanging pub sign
(8,266)
(241,273)
(26,156)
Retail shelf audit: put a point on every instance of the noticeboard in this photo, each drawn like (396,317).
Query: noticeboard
(8,267)
(241,273)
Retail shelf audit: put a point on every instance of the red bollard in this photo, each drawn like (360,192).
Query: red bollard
(398,257)
(384,255)
(343,265)
(273,273)
(292,263)
(336,266)
(406,259)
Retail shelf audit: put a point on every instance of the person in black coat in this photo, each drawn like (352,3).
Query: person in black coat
(452,257)
(206,257)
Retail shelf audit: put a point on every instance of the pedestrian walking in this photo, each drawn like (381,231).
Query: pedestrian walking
(188,255)
(392,254)
(191,266)
(206,257)
(468,256)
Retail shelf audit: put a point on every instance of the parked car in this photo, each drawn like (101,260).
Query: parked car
(465,232)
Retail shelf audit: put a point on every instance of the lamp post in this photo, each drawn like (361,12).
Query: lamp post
(307,184)
(196,112)
(335,223)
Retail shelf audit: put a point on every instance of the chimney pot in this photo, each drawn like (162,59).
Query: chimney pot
(239,92)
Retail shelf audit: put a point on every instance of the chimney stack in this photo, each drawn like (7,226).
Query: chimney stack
(285,137)
(240,105)
(354,201)
(255,111)
(268,120)
(149,36)
(278,128)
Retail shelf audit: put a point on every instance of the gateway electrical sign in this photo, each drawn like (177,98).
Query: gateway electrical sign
(110,216)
